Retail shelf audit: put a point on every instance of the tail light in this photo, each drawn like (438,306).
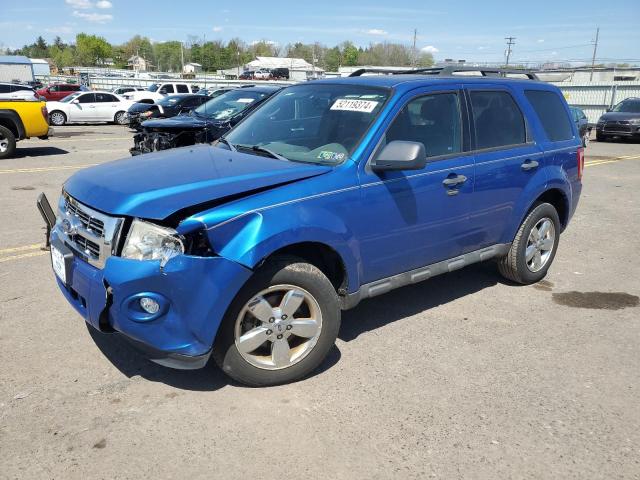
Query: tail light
(580,162)
(45,112)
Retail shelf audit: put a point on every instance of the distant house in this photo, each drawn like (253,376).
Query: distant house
(138,64)
(15,68)
(192,68)
(107,62)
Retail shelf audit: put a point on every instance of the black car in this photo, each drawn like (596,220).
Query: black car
(167,107)
(204,124)
(622,121)
(582,122)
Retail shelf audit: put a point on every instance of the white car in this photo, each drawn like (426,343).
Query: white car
(157,91)
(14,91)
(89,107)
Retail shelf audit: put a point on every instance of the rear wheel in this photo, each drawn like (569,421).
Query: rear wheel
(7,142)
(281,325)
(57,118)
(120,118)
(534,247)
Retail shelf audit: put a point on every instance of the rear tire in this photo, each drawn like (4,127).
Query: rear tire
(120,118)
(7,143)
(534,247)
(248,317)
(57,118)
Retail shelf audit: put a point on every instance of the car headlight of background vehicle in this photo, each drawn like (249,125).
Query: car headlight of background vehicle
(147,241)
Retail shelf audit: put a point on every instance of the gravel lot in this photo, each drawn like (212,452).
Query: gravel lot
(463,376)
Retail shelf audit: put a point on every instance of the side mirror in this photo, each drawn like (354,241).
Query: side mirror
(609,109)
(75,101)
(400,155)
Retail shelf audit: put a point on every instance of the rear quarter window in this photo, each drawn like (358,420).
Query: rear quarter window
(553,116)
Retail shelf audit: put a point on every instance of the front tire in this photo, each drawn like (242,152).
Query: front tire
(7,143)
(281,325)
(601,138)
(534,246)
(57,118)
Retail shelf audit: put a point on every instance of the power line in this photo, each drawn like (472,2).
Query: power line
(510,43)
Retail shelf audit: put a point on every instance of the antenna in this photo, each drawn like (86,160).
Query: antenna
(510,42)
(415,56)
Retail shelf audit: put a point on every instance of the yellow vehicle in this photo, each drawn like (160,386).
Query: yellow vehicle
(20,119)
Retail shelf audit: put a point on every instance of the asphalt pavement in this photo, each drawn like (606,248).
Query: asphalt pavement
(462,376)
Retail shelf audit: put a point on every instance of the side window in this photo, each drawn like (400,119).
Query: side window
(182,88)
(5,88)
(105,97)
(54,88)
(87,98)
(498,119)
(433,120)
(552,114)
(168,88)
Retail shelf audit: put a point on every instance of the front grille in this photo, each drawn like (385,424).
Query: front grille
(622,127)
(92,224)
(89,247)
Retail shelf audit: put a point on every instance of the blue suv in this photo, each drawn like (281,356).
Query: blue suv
(331,192)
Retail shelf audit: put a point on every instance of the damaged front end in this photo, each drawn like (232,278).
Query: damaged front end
(149,141)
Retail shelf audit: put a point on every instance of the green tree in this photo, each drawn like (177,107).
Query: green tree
(349,54)
(91,49)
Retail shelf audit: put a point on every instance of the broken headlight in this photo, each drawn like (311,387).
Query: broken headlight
(147,241)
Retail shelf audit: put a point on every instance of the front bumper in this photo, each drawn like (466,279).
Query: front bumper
(196,292)
(616,129)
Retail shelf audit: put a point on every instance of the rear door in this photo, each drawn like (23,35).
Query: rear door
(106,107)
(506,160)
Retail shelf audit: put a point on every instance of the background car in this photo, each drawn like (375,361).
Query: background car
(14,91)
(165,108)
(622,121)
(58,91)
(89,107)
(126,89)
(246,75)
(582,123)
(262,74)
(280,73)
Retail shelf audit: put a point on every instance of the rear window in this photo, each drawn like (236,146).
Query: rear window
(498,120)
(552,114)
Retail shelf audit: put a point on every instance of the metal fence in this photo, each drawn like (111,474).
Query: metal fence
(595,98)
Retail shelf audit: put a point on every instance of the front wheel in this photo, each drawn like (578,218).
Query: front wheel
(600,137)
(281,325)
(534,247)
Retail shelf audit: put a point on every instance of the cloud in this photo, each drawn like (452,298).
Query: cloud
(64,29)
(79,3)
(93,17)
(104,4)
(377,31)
(429,49)
(541,40)
(217,29)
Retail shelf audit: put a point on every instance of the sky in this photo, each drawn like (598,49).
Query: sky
(544,30)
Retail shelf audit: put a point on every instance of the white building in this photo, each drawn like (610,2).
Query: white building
(299,68)
(138,64)
(41,67)
(192,68)
(15,68)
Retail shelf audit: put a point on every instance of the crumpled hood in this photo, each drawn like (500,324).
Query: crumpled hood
(609,116)
(155,185)
(179,122)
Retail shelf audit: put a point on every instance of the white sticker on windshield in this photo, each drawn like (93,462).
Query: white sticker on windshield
(245,100)
(365,106)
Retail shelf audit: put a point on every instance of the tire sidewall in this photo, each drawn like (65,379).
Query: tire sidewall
(296,273)
(539,212)
(8,134)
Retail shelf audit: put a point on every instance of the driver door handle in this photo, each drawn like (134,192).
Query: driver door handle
(452,181)
(529,165)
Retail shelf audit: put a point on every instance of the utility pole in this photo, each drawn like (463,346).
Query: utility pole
(510,43)
(595,49)
(413,52)
(182,56)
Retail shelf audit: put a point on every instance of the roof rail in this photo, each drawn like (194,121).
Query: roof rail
(448,71)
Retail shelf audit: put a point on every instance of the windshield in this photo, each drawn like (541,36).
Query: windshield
(229,104)
(312,123)
(153,87)
(68,98)
(168,101)
(628,106)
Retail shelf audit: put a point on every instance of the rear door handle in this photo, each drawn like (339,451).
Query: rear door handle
(529,165)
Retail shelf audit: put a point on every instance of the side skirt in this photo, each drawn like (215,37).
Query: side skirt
(384,285)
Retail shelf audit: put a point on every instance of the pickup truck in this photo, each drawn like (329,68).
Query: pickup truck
(333,191)
(21,119)
(157,91)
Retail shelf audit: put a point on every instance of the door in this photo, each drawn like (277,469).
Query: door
(106,107)
(506,159)
(83,108)
(419,217)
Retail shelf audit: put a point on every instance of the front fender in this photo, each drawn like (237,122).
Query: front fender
(251,238)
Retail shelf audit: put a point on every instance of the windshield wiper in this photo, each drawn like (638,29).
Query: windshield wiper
(259,149)
(226,142)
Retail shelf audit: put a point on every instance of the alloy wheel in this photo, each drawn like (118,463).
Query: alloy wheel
(57,118)
(4,143)
(278,327)
(540,243)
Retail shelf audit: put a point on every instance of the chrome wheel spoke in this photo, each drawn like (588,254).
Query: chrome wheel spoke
(280,354)
(534,236)
(261,309)
(544,229)
(537,260)
(291,302)
(530,252)
(546,245)
(252,339)
(304,327)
